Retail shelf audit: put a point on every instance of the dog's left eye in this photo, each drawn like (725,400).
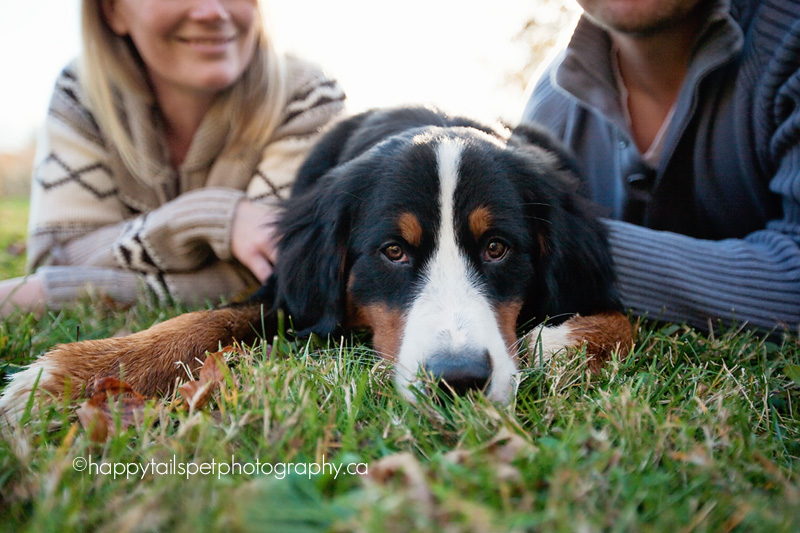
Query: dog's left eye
(395,253)
(495,251)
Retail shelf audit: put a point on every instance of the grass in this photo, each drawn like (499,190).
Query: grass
(691,432)
(13,227)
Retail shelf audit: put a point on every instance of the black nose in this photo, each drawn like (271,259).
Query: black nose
(460,373)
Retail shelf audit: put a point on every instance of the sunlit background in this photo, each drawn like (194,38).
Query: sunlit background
(470,57)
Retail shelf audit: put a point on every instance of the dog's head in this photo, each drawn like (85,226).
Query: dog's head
(441,236)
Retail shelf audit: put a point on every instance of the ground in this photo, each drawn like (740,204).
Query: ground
(692,432)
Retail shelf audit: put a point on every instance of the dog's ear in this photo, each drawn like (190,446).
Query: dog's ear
(310,272)
(576,261)
(314,228)
(328,153)
(573,263)
(533,135)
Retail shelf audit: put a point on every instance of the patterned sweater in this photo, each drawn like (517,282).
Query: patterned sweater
(96,227)
(711,230)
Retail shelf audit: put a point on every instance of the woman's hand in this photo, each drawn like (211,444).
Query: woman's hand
(253,238)
(24,294)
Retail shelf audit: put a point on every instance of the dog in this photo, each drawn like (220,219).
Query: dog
(440,235)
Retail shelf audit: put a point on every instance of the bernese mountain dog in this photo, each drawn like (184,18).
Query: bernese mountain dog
(444,237)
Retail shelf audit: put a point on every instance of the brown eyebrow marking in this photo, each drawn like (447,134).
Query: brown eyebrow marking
(410,229)
(480,220)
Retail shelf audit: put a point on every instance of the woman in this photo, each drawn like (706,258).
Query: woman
(164,151)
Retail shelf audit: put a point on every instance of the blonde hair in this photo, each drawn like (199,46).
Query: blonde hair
(109,64)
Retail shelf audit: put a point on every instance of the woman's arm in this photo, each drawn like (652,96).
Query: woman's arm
(56,286)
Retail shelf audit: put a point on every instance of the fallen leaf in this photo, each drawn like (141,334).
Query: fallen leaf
(98,414)
(404,467)
(507,446)
(697,457)
(16,249)
(198,393)
(94,422)
(102,387)
(213,365)
(504,448)
(500,451)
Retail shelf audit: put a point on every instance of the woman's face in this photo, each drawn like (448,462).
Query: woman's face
(188,45)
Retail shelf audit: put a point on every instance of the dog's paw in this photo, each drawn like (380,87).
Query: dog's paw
(602,334)
(546,341)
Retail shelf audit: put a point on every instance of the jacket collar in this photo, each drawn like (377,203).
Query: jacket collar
(585,71)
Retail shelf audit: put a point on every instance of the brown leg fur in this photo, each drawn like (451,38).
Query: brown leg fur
(147,360)
(603,334)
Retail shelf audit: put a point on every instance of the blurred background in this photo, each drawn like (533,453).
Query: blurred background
(469,57)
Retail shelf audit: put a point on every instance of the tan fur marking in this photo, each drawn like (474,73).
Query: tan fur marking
(507,315)
(480,221)
(386,324)
(410,229)
(603,333)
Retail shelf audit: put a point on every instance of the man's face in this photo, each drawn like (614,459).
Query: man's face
(641,17)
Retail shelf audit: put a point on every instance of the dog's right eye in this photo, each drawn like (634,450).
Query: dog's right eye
(496,250)
(395,253)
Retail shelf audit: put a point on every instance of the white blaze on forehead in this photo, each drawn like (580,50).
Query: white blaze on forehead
(448,158)
(451,314)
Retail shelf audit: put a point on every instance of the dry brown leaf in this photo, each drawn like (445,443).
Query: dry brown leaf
(213,365)
(501,451)
(16,249)
(504,449)
(103,387)
(93,421)
(405,467)
(507,446)
(697,457)
(198,393)
(98,415)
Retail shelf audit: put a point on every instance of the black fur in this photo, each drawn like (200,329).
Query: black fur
(367,167)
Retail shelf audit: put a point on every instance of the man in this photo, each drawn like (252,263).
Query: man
(685,118)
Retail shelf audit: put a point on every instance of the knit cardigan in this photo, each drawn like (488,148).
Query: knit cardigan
(96,227)
(712,231)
